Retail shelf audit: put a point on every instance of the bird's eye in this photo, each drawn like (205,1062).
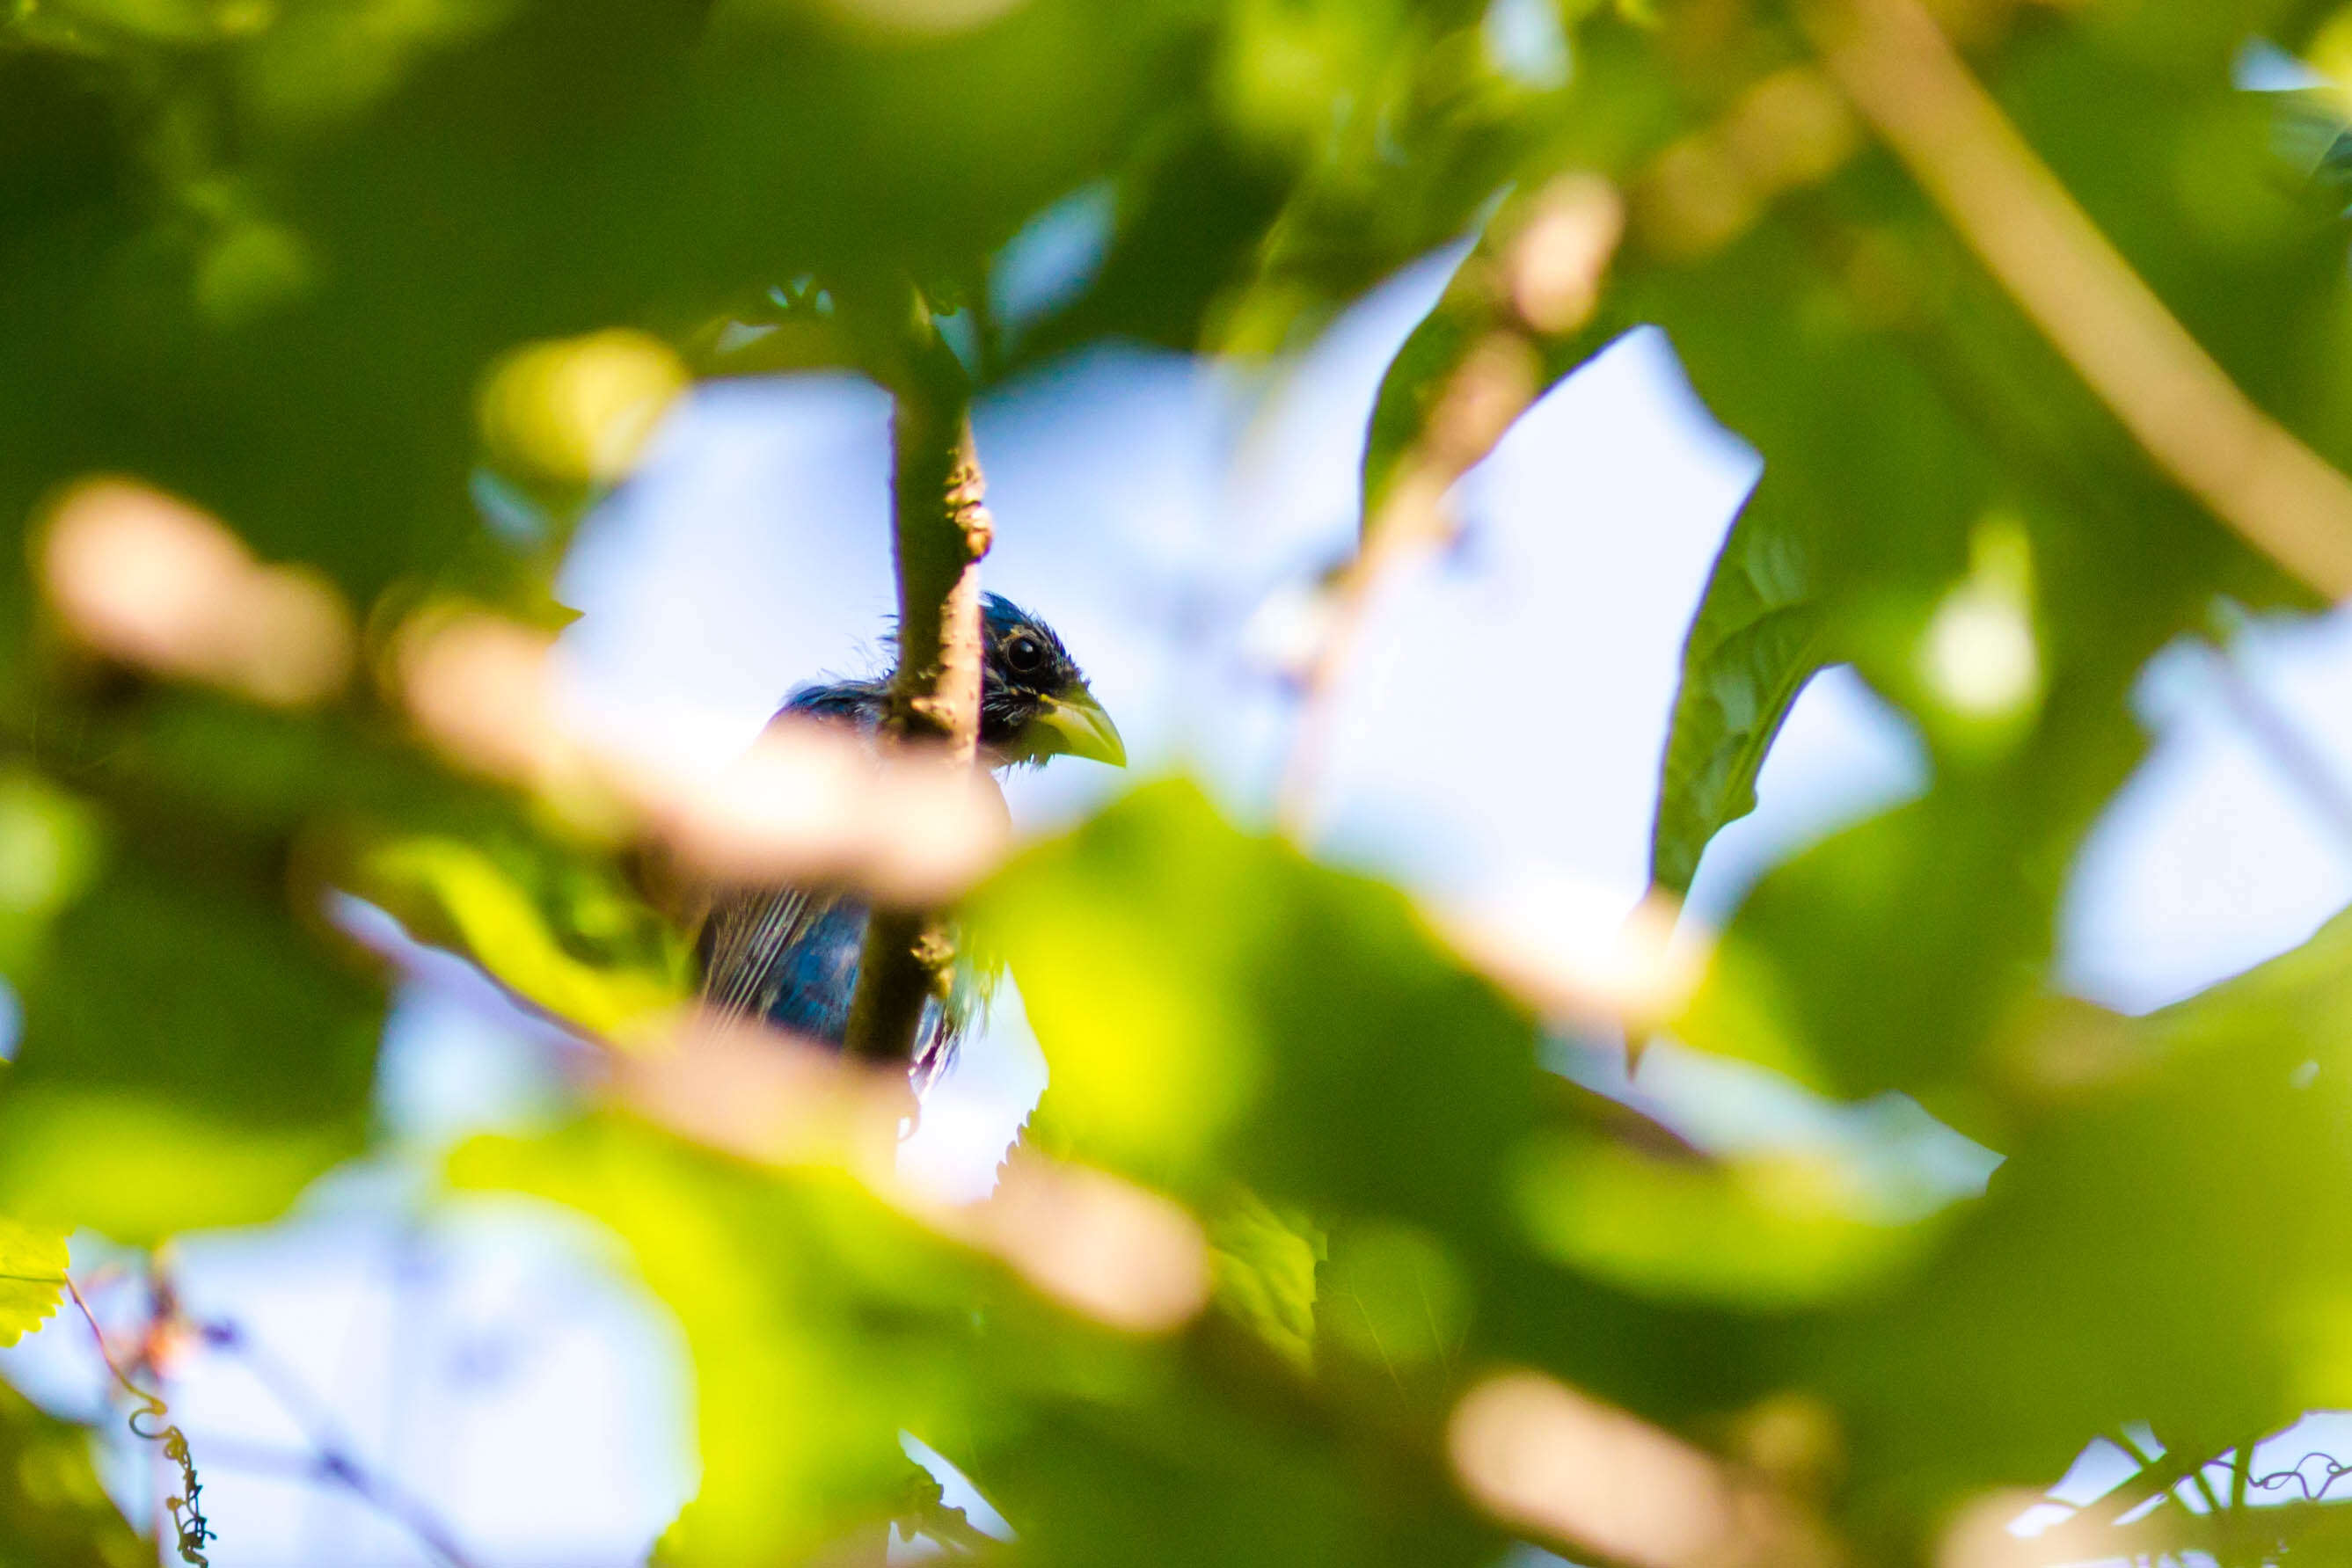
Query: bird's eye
(1024,653)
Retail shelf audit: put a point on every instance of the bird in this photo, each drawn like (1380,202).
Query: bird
(788,957)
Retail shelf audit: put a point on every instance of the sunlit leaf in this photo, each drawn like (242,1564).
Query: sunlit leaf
(1265,1270)
(820,1324)
(1214,1007)
(32,1277)
(1396,1297)
(1765,1233)
(576,946)
(49,848)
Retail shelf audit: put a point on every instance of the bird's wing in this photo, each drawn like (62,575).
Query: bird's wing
(750,947)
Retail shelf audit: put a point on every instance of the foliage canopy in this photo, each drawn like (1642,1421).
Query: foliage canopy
(385,293)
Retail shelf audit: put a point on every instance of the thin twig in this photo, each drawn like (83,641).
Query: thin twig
(333,1455)
(2194,1474)
(2306,769)
(1390,556)
(2186,413)
(2205,1489)
(2158,1475)
(1516,305)
(154,1406)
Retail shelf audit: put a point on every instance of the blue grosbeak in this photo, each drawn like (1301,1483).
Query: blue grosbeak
(788,957)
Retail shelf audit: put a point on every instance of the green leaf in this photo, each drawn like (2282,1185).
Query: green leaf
(2161,1246)
(1753,644)
(32,1277)
(821,1325)
(50,845)
(1263,1265)
(1885,956)
(553,929)
(1758,1232)
(1214,1009)
(191,1057)
(1397,1299)
(58,1514)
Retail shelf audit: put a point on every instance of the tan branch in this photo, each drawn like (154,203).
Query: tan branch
(2182,407)
(942,531)
(1534,281)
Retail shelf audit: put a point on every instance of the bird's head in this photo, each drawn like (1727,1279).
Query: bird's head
(1034,701)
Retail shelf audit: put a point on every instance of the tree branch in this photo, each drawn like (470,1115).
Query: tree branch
(2186,413)
(940,531)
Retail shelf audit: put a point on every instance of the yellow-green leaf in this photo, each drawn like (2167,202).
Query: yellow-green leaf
(1764,1232)
(1263,1268)
(32,1277)
(582,949)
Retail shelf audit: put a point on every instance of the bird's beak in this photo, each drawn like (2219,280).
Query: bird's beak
(1073,725)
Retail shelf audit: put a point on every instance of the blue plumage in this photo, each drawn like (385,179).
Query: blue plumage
(788,957)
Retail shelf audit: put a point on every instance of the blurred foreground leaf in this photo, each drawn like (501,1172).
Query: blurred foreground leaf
(556,932)
(191,1057)
(1214,1007)
(2160,1246)
(823,1323)
(50,846)
(57,1513)
(1760,1233)
(1265,1268)
(1398,1299)
(1886,955)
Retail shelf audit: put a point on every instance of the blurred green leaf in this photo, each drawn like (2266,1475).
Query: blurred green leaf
(1396,1297)
(190,1057)
(271,227)
(1264,1267)
(1216,1007)
(50,845)
(2157,1246)
(558,936)
(1759,1232)
(32,1277)
(823,1323)
(1334,142)
(58,1515)
(1885,956)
